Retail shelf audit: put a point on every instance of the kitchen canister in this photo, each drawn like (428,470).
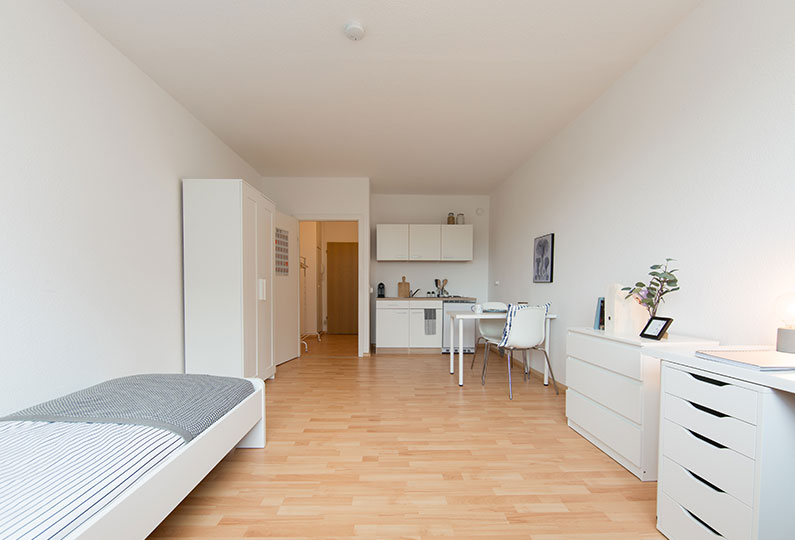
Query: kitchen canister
(459,219)
(451,218)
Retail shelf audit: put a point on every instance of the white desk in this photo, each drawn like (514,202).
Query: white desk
(461,316)
(727,437)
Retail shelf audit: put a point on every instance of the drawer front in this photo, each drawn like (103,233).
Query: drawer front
(616,392)
(425,304)
(678,524)
(731,518)
(417,335)
(618,357)
(613,430)
(713,393)
(724,468)
(392,304)
(731,432)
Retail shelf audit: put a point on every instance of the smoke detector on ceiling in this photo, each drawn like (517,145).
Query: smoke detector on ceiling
(354,30)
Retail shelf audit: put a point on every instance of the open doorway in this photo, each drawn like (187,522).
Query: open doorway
(329,286)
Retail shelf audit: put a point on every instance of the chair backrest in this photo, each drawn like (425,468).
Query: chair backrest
(492,328)
(524,327)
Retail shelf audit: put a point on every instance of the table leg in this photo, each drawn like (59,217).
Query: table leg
(461,352)
(452,338)
(546,348)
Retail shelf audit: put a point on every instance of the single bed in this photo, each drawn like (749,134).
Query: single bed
(114,460)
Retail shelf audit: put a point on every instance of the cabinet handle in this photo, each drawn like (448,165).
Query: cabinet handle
(708,380)
(707,410)
(707,439)
(703,481)
(701,521)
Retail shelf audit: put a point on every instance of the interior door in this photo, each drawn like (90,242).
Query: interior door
(266,367)
(286,295)
(342,288)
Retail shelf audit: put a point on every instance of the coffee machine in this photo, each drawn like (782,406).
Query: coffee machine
(381,291)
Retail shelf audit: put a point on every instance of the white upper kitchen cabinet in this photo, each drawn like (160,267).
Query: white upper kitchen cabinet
(392,242)
(425,242)
(456,242)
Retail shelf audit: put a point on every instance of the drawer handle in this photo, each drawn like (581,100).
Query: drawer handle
(692,515)
(707,410)
(704,481)
(707,440)
(708,380)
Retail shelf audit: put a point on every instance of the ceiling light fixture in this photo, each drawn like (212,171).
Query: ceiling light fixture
(354,30)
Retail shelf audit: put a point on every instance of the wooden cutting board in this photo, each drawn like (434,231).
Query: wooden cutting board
(404,288)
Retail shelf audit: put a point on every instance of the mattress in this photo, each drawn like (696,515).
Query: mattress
(54,476)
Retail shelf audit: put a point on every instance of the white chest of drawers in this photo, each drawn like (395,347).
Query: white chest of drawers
(727,452)
(614,394)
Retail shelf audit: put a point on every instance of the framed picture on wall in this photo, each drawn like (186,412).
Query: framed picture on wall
(543,251)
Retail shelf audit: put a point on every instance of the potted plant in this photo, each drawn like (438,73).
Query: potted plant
(663,281)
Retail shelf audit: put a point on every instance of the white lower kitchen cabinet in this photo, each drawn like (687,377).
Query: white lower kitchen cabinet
(400,326)
(392,324)
(613,396)
(424,334)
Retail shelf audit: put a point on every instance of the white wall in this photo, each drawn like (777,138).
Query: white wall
(329,199)
(91,156)
(465,278)
(689,155)
(287,297)
(310,251)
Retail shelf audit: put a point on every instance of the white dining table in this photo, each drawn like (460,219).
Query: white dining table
(469,315)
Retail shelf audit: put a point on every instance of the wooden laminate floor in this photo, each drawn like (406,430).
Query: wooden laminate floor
(391,447)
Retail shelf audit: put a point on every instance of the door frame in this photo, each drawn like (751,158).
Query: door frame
(363,227)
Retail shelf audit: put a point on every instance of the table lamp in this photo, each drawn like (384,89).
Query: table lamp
(785,309)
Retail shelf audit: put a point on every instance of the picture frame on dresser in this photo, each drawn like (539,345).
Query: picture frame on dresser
(656,328)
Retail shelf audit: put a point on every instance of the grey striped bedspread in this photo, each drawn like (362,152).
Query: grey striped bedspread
(183,404)
(56,476)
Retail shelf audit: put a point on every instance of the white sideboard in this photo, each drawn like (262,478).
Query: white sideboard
(614,391)
(424,242)
(727,448)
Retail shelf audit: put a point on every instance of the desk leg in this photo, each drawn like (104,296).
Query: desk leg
(460,352)
(546,348)
(452,340)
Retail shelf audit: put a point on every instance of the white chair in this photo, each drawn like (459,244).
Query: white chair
(524,331)
(490,328)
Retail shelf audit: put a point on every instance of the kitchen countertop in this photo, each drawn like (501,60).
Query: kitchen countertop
(448,298)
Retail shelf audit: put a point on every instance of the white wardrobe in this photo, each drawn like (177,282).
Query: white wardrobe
(228,242)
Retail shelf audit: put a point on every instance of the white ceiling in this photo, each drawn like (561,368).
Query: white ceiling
(440,96)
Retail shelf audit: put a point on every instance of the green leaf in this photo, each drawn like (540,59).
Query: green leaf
(640,284)
(655,266)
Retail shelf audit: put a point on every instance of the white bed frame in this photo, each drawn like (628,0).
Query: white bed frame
(144,505)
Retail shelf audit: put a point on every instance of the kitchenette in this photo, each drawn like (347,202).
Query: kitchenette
(412,310)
